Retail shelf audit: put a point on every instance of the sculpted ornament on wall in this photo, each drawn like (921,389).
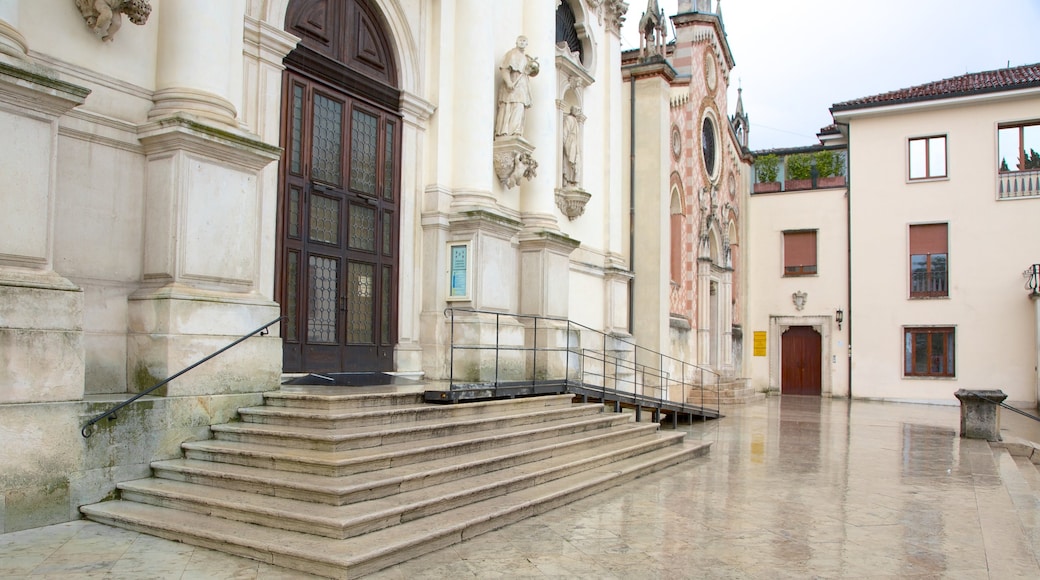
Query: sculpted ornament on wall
(104,16)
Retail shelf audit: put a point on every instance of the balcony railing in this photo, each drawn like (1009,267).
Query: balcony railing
(928,284)
(1018,184)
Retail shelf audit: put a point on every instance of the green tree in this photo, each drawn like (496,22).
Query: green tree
(767,167)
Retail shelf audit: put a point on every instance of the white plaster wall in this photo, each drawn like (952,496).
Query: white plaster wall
(990,244)
(56,28)
(769,215)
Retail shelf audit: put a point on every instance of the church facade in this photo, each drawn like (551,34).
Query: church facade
(180,173)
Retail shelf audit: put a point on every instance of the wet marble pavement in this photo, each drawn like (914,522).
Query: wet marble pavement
(793,487)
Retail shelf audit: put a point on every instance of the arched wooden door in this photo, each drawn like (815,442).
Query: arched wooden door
(801,361)
(340,191)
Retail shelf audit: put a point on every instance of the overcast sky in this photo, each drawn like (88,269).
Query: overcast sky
(797,58)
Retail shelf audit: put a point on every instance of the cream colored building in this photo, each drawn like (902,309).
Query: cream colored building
(941,206)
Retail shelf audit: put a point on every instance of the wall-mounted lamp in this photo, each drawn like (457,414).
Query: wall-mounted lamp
(1032,276)
(839,317)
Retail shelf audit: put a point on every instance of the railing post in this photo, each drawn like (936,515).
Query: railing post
(534,354)
(451,350)
(498,340)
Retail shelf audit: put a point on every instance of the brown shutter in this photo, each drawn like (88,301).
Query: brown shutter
(799,249)
(928,239)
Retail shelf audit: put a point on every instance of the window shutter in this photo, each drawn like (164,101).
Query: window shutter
(799,249)
(928,239)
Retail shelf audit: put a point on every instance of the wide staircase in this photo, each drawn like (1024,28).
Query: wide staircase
(342,482)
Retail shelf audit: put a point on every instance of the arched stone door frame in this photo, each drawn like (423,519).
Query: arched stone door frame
(266,45)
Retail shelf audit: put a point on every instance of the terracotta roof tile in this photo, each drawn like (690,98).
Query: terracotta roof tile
(1004,79)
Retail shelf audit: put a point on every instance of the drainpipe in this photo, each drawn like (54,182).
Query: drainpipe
(631,203)
(848,247)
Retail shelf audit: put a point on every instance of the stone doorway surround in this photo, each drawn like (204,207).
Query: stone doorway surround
(821,324)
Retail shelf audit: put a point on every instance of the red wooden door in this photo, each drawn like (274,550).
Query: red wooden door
(801,361)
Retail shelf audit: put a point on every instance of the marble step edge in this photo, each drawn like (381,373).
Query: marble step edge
(372,484)
(363,517)
(361,555)
(380,457)
(387,401)
(342,439)
(396,412)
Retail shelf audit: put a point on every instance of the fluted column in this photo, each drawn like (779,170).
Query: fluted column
(474,104)
(199,63)
(537,196)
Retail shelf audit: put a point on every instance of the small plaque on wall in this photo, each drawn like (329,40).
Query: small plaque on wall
(458,283)
(760,343)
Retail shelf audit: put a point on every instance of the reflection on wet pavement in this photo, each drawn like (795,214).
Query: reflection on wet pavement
(794,487)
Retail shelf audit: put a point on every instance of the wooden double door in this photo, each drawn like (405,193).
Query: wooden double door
(801,361)
(338,230)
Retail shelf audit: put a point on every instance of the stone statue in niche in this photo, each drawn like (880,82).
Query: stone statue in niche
(104,16)
(514,95)
(571,148)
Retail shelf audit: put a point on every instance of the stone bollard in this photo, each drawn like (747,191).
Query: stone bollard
(980,417)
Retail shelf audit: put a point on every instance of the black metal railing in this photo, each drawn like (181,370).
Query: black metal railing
(1014,409)
(494,349)
(90,428)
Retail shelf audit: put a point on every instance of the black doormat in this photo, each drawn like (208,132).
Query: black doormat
(350,380)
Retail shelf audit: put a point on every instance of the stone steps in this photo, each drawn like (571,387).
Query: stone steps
(333,490)
(352,519)
(339,463)
(304,435)
(368,553)
(342,483)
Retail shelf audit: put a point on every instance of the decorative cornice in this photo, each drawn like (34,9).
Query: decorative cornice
(180,133)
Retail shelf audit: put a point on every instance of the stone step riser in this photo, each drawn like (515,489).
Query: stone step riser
(363,441)
(284,463)
(353,403)
(239,542)
(365,524)
(377,490)
(368,403)
(316,419)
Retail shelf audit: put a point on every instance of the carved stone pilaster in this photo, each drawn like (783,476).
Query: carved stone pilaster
(615,14)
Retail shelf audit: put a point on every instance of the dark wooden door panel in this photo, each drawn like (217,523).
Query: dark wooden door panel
(801,361)
(338,229)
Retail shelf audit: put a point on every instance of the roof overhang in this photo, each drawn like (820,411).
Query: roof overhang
(846,114)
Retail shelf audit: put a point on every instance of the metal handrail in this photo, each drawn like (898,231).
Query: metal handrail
(89,429)
(637,366)
(1010,408)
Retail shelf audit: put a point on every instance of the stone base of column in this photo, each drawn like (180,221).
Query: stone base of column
(181,101)
(41,337)
(12,43)
(173,327)
(545,271)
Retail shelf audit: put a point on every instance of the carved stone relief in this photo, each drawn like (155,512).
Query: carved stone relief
(104,18)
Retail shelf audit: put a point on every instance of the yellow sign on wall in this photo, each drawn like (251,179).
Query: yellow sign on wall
(760,343)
